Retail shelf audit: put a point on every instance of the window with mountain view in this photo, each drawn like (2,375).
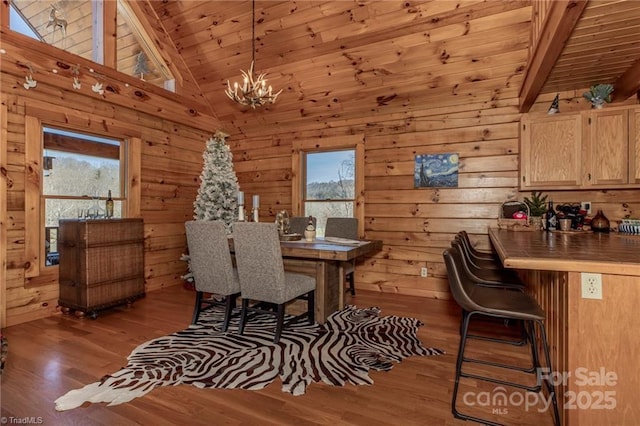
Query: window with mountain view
(329,185)
(79,170)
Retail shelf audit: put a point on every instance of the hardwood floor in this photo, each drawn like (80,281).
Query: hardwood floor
(49,357)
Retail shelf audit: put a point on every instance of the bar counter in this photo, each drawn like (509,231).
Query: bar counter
(594,342)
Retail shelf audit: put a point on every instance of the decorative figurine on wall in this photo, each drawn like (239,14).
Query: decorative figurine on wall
(57,22)
(555,105)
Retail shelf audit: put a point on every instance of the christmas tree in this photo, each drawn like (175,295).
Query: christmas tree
(218,192)
(217,196)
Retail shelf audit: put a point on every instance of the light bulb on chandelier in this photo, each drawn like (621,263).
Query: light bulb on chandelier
(254,90)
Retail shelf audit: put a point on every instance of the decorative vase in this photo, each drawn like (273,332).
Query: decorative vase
(536,222)
(600,223)
(309,235)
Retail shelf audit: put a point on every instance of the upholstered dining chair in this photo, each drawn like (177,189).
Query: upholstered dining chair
(262,275)
(297,224)
(344,227)
(212,267)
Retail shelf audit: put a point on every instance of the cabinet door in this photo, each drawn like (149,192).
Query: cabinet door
(606,145)
(550,150)
(634,146)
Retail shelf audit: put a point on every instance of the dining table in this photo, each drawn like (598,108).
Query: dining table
(322,258)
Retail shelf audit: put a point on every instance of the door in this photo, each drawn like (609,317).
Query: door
(606,148)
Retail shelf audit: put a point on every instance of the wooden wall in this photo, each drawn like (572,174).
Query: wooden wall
(169,152)
(416,225)
(479,120)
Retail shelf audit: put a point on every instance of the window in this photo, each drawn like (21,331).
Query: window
(76,26)
(79,170)
(329,185)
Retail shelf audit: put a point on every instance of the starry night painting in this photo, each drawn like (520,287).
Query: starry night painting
(436,171)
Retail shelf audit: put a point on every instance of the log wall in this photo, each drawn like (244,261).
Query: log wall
(479,121)
(168,151)
(416,225)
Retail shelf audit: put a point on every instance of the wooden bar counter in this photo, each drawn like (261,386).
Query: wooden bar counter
(594,342)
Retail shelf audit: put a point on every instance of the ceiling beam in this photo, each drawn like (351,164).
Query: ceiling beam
(562,16)
(628,84)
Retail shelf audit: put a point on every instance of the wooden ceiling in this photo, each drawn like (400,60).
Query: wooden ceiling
(345,61)
(348,60)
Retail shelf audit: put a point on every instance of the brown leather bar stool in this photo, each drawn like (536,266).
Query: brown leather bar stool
(507,305)
(489,277)
(476,253)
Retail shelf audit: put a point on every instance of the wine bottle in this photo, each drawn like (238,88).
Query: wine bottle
(109,206)
(551,219)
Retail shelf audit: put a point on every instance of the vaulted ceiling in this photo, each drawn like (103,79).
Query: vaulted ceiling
(349,60)
(346,61)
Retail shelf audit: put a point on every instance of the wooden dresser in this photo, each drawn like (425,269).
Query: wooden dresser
(101,263)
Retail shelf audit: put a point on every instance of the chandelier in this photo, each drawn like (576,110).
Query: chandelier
(254,91)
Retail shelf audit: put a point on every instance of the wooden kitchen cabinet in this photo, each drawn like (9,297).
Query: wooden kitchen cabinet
(606,148)
(550,151)
(590,149)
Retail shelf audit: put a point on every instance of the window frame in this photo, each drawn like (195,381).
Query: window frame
(337,143)
(122,189)
(34,199)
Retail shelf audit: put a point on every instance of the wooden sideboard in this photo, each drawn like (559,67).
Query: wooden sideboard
(101,263)
(593,341)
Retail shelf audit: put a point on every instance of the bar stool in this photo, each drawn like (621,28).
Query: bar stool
(488,277)
(481,254)
(508,305)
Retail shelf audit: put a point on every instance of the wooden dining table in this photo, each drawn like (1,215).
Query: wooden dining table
(322,259)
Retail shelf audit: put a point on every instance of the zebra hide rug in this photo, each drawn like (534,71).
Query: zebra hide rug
(342,350)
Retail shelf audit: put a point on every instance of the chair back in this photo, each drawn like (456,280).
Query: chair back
(469,268)
(297,224)
(461,287)
(259,261)
(342,227)
(210,258)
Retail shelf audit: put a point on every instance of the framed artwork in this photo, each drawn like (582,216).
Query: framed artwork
(436,171)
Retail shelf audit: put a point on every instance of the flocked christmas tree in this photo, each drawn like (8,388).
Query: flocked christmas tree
(218,193)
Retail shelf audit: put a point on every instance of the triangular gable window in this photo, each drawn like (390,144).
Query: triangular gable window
(68,25)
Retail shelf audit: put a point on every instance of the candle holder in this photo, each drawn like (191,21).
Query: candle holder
(241,213)
(256,215)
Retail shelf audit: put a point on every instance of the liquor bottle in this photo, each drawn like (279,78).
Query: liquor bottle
(109,206)
(551,219)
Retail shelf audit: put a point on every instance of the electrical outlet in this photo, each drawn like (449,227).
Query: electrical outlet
(591,285)
(424,272)
(586,205)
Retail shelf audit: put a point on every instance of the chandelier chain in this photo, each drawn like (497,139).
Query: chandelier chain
(254,90)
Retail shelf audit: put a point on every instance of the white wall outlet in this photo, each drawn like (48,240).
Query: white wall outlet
(586,205)
(591,285)
(424,272)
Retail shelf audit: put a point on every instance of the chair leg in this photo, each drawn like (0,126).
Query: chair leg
(549,385)
(279,323)
(352,285)
(196,308)
(230,303)
(243,315)
(311,306)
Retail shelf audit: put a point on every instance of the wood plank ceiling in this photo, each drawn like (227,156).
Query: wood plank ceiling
(348,60)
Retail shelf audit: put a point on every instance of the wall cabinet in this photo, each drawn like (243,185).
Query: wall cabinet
(590,149)
(101,263)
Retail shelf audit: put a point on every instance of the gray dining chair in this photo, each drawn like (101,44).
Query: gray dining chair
(263,278)
(212,267)
(344,227)
(297,224)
